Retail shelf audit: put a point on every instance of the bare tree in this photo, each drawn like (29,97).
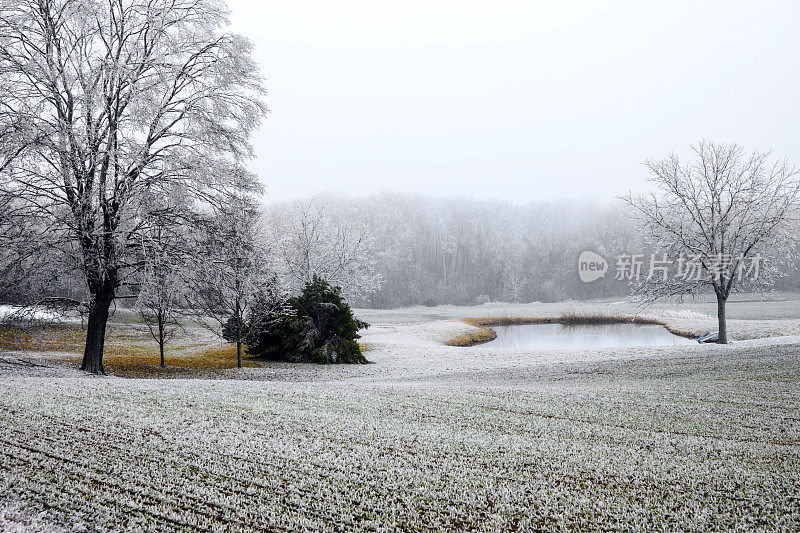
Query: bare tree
(101,100)
(717,212)
(163,288)
(230,268)
(312,239)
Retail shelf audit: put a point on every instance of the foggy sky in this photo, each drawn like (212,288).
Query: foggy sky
(518,101)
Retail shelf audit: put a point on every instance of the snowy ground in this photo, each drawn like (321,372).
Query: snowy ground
(428,437)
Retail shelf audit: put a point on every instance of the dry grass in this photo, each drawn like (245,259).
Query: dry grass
(146,365)
(128,351)
(145,362)
(595,316)
(42,338)
(490,321)
(473,337)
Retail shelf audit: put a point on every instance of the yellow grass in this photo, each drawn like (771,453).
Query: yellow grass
(471,338)
(127,353)
(489,321)
(42,338)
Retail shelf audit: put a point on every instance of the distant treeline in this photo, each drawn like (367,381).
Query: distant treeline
(420,251)
(431,251)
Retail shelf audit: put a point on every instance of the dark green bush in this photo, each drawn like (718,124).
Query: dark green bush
(316,326)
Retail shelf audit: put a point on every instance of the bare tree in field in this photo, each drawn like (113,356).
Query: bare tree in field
(102,100)
(163,288)
(725,212)
(230,268)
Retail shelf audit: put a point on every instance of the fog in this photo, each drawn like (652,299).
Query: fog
(422,265)
(518,101)
(422,250)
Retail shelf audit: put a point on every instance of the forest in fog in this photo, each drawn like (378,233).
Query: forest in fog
(394,249)
(408,249)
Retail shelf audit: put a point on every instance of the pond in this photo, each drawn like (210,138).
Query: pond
(575,337)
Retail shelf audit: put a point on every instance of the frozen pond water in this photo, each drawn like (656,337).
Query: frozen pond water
(571,337)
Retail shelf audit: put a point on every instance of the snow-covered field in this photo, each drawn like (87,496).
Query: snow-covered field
(428,437)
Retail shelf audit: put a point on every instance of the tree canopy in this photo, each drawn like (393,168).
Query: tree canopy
(104,103)
(718,211)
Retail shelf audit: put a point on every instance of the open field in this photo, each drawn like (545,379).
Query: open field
(428,437)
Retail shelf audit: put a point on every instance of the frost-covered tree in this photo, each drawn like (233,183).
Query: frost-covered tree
(160,301)
(460,251)
(714,216)
(269,306)
(100,100)
(313,239)
(232,264)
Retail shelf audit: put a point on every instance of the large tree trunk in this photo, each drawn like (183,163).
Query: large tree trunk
(723,326)
(96,332)
(238,353)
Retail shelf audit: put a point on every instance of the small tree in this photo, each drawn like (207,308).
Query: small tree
(156,305)
(720,210)
(231,267)
(270,305)
(163,286)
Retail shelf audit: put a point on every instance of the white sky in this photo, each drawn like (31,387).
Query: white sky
(513,100)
